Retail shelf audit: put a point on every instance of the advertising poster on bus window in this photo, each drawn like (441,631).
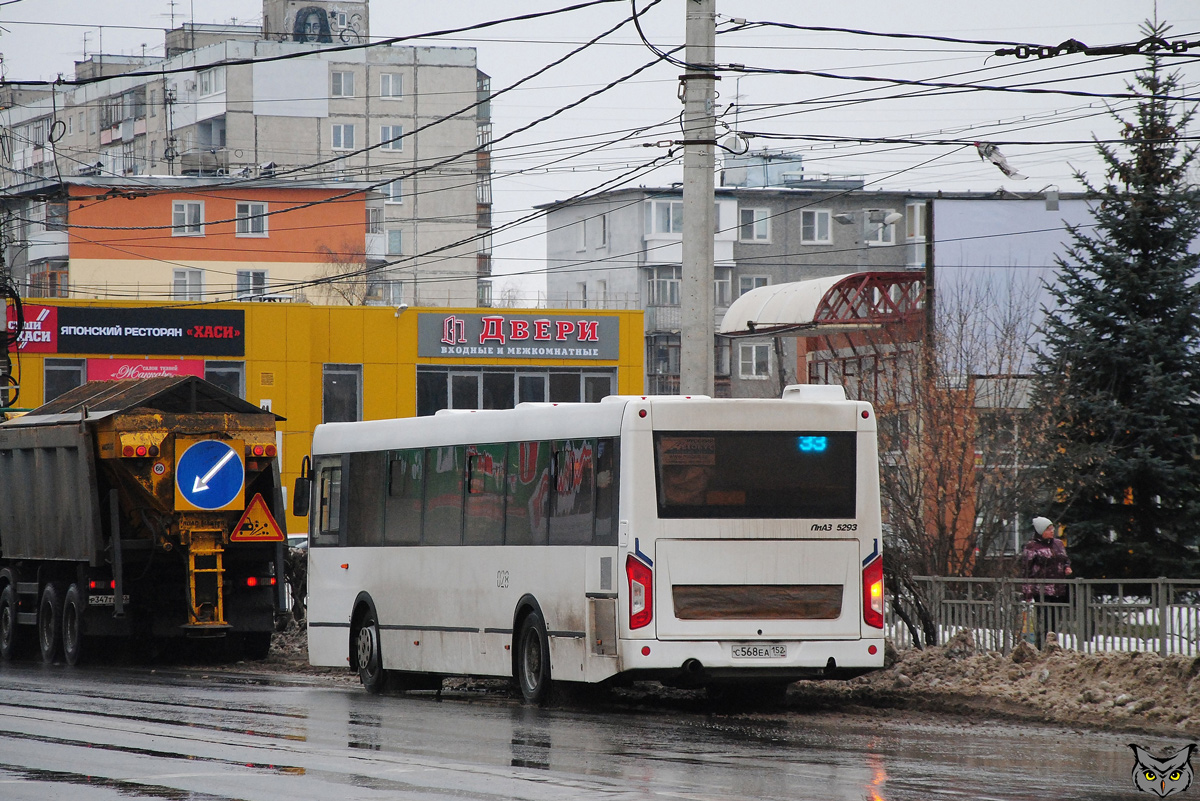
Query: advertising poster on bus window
(681,451)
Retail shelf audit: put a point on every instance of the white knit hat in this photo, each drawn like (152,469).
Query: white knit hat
(1040,524)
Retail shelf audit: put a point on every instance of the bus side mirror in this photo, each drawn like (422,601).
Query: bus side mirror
(303,490)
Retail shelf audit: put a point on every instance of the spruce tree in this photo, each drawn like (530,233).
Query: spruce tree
(1119,368)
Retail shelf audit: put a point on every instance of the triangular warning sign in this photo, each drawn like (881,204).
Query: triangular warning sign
(257,524)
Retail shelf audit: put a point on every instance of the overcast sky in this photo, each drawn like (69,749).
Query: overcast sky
(42,38)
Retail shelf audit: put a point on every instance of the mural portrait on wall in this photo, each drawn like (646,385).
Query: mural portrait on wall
(311,25)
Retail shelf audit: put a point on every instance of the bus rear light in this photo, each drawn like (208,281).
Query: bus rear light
(259,450)
(271,450)
(641,592)
(127,450)
(142,450)
(254,581)
(102,585)
(873,593)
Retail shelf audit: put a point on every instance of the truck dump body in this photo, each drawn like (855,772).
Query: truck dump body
(50,509)
(111,493)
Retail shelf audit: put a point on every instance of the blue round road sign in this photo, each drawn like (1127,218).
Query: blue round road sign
(210,475)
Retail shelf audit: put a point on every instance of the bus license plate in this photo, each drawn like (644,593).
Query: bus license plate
(104,600)
(760,652)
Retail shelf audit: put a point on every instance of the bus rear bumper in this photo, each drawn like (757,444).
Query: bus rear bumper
(697,662)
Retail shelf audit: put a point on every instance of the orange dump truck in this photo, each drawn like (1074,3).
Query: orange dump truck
(143,509)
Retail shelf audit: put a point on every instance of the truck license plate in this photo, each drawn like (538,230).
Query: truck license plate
(760,652)
(104,600)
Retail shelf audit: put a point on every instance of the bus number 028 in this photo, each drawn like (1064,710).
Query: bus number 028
(502,579)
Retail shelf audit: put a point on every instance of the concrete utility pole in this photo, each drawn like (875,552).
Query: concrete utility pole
(699,134)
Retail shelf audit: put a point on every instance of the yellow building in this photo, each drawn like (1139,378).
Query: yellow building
(314,364)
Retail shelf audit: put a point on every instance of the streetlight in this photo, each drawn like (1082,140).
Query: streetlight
(879,218)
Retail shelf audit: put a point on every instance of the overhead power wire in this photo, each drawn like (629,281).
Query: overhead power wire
(336,49)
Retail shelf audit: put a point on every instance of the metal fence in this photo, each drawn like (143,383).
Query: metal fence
(1089,615)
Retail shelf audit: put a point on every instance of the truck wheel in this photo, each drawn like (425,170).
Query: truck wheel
(533,660)
(74,608)
(49,621)
(370,660)
(10,633)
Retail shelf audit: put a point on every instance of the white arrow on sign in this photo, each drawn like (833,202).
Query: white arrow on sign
(202,481)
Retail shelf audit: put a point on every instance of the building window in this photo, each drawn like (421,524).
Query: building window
(876,231)
(343,137)
(385,292)
(212,81)
(603,223)
(664,217)
(390,137)
(251,219)
(342,393)
(374,221)
(747,283)
(62,375)
(721,352)
(664,286)
(56,216)
(391,84)
(754,225)
(483,294)
(395,242)
(722,285)
(188,285)
(581,235)
(49,279)
(251,283)
(187,218)
(392,192)
(229,376)
(914,233)
(754,361)
(342,84)
(814,227)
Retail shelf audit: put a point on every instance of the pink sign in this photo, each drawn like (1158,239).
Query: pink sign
(40,334)
(119,369)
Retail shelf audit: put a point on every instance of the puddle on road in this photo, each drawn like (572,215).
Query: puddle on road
(124,787)
(292,770)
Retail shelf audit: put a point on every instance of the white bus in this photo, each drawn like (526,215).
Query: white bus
(699,542)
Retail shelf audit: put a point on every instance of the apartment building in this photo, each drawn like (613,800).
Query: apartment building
(284,101)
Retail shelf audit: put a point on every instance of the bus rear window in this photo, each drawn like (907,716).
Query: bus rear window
(755,474)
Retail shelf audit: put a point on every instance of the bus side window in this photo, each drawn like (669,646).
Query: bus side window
(445,469)
(329,516)
(364,508)
(527,503)
(484,513)
(406,497)
(606,492)
(573,508)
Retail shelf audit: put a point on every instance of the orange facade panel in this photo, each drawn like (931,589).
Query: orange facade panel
(231,223)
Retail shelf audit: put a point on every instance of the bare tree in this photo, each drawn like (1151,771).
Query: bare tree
(962,445)
(344,274)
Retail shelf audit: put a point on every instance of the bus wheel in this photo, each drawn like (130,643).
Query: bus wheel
(49,621)
(10,634)
(533,660)
(74,607)
(370,660)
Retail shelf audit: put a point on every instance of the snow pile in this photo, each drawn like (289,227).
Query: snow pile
(1110,690)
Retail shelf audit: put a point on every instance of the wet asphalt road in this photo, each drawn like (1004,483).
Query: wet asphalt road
(190,735)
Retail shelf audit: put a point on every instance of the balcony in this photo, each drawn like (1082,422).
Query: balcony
(205,162)
(376,246)
(663,318)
